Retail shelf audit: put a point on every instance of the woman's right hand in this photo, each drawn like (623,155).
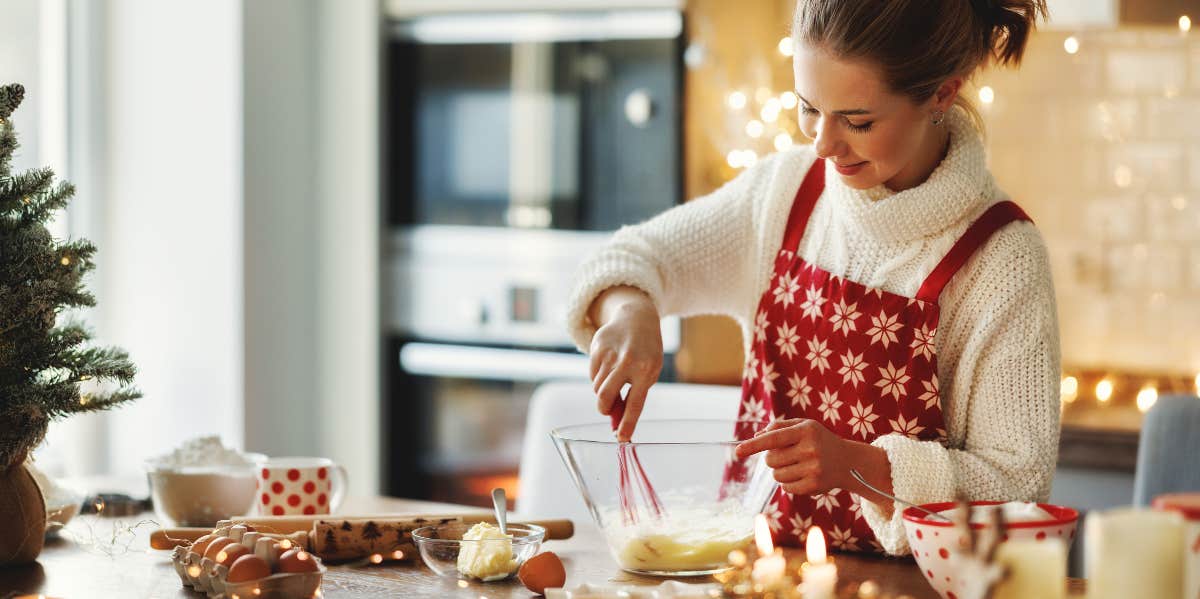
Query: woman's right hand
(627,348)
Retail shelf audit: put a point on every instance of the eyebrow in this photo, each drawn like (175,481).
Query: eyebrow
(848,112)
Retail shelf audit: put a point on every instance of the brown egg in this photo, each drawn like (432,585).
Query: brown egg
(229,554)
(297,560)
(215,547)
(199,545)
(542,571)
(248,567)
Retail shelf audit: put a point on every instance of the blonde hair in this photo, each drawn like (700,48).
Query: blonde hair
(919,44)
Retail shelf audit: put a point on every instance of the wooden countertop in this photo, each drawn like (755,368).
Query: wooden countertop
(76,570)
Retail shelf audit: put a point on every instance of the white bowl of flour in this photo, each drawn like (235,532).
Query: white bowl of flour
(202,482)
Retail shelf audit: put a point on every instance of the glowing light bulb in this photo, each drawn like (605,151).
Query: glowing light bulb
(986,94)
(788,100)
(786,47)
(1146,398)
(1071,45)
(1104,390)
(734,159)
(771,110)
(754,128)
(736,100)
(1069,389)
(1123,176)
(1185,23)
(376,559)
(783,141)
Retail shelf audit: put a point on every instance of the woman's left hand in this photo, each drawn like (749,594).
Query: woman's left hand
(805,456)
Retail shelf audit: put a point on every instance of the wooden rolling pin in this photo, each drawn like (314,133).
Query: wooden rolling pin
(351,537)
(556,530)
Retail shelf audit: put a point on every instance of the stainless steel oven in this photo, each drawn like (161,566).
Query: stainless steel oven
(516,142)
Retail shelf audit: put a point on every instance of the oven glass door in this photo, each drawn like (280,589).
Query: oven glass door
(575,134)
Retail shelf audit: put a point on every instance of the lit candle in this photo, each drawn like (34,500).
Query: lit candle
(768,569)
(1133,553)
(1036,569)
(820,574)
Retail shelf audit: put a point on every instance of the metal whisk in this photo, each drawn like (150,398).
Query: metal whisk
(631,476)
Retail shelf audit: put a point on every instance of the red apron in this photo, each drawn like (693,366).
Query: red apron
(860,361)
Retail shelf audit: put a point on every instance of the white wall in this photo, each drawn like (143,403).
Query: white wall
(312,241)
(171,259)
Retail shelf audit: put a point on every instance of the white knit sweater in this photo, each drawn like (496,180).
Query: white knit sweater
(997,341)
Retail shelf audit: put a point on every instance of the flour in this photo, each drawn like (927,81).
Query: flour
(202,451)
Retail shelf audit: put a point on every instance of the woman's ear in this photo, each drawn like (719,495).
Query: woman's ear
(944,97)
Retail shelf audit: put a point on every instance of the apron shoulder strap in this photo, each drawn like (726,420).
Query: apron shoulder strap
(992,220)
(802,205)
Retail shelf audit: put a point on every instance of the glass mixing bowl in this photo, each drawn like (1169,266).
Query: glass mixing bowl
(709,498)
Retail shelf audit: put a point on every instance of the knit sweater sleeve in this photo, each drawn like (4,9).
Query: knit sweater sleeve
(999,386)
(700,257)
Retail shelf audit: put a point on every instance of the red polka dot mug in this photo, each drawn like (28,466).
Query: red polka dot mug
(299,486)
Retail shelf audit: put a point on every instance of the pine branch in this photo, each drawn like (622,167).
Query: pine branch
(8,145)
(43,205)
(19,191)
(10,98)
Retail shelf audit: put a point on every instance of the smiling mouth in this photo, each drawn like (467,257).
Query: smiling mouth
(850,165)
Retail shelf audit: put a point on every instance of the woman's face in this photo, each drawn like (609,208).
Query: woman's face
(870,133)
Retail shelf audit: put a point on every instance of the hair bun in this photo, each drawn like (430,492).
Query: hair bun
(1007,25)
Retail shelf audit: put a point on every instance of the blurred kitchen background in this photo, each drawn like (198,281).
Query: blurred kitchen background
(348,228)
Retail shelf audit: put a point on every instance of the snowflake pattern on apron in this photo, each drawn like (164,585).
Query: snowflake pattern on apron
(860,361)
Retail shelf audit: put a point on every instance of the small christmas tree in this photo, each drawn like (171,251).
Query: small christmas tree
(42,365)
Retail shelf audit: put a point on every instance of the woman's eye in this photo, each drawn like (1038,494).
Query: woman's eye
(860,127)
(808,109)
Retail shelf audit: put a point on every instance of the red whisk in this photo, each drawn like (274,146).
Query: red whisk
(631,474)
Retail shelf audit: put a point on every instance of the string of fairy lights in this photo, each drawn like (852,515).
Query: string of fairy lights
(770,117)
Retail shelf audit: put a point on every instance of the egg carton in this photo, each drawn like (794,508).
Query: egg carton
(206,576)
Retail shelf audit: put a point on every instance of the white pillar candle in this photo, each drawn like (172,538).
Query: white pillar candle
(769,569)
(1035,569)
(820,575)
(1188,506)
(1133,553)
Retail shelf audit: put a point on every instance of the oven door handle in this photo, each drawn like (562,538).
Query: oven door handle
(489,363)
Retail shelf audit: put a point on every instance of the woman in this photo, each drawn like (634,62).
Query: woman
(897,310)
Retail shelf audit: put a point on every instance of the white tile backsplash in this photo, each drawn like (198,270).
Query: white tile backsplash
(1103,148)
(1146,71)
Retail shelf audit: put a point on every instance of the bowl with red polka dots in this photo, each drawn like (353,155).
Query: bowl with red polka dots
(295,486)
(938,545)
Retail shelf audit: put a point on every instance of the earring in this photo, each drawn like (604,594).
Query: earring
(938,117)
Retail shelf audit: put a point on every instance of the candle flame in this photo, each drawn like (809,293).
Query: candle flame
(285,544)
(762,535)
(814,547)
(376,559)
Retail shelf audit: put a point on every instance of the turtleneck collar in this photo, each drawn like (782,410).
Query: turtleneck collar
(956,189)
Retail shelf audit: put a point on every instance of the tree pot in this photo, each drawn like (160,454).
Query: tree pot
(22,516)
